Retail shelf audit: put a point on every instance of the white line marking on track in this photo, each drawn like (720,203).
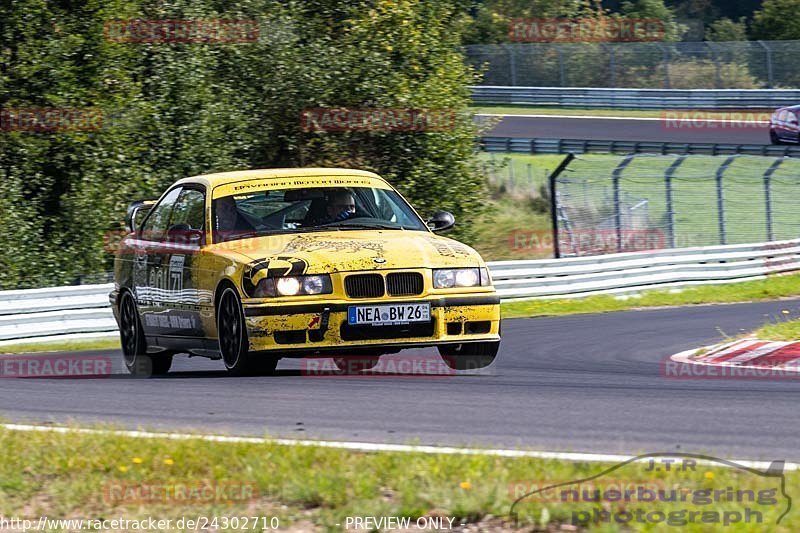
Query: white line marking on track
(376,447)
(670,118)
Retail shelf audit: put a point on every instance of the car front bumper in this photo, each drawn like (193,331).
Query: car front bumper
(322,327)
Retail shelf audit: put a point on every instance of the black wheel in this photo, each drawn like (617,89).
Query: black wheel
(233,343)
(469,356)
(134,344)
(774,138)
(353,364)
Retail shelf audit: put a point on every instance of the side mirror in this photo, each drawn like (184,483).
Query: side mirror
(136,213)
(441,221)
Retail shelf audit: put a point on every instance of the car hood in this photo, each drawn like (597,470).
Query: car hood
(346,251)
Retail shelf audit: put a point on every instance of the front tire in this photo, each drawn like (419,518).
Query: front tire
(134,344)
(233,343)
(469,356)
(774,139)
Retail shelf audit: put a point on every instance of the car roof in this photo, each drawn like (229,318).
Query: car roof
(789,108)
(223,178)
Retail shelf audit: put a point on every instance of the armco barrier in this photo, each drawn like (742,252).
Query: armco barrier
(581,146)
(576,277)
(636,98)
(28,314)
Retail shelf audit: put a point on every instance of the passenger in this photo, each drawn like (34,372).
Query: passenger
(229,221)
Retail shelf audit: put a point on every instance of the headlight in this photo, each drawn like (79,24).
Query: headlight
(294,286)
(288,286)
(314,284)
(444,279)
(447,278)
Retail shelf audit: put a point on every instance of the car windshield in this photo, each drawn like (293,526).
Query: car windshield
(311,209)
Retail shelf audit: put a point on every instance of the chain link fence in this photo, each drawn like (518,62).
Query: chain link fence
(680,65)
(608,204)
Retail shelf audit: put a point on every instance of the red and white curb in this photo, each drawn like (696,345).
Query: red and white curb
(762,358)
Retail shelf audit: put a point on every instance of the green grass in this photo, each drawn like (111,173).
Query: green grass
(769,289)
(788,330)
(313,488)
(654,113)
(495,232)
(61,346)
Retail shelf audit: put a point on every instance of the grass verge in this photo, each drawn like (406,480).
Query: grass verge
(306,488)
(769,289)
(787,330)
(61,346)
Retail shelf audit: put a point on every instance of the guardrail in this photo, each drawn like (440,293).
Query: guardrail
(31,314)
(636,98)
(575,277)
(584,146)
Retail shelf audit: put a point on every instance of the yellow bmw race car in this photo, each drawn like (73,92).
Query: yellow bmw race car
(253,266)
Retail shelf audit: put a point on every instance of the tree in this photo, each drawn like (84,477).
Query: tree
(172,110)
(776,22)
(492,18)
(655,9)
(726,29)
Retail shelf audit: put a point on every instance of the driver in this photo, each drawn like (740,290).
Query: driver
(341,205)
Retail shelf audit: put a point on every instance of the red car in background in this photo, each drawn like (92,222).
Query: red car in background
(783,125)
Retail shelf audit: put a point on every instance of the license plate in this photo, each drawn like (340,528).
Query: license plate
(388,315)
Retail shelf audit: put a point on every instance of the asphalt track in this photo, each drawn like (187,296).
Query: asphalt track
(628,129)
(585,383)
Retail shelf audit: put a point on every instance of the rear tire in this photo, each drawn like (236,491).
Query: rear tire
(134,343)
(233,343)
(469,356)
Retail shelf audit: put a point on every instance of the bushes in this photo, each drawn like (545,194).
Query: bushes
(174,110)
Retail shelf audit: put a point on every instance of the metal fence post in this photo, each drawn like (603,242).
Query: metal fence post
(554,207)
(561,72)
(721,199)
(770,77)
(512,63)
(612,68)
(768,194)
(617,207)
(665,55)
(670,206)
(715,59)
